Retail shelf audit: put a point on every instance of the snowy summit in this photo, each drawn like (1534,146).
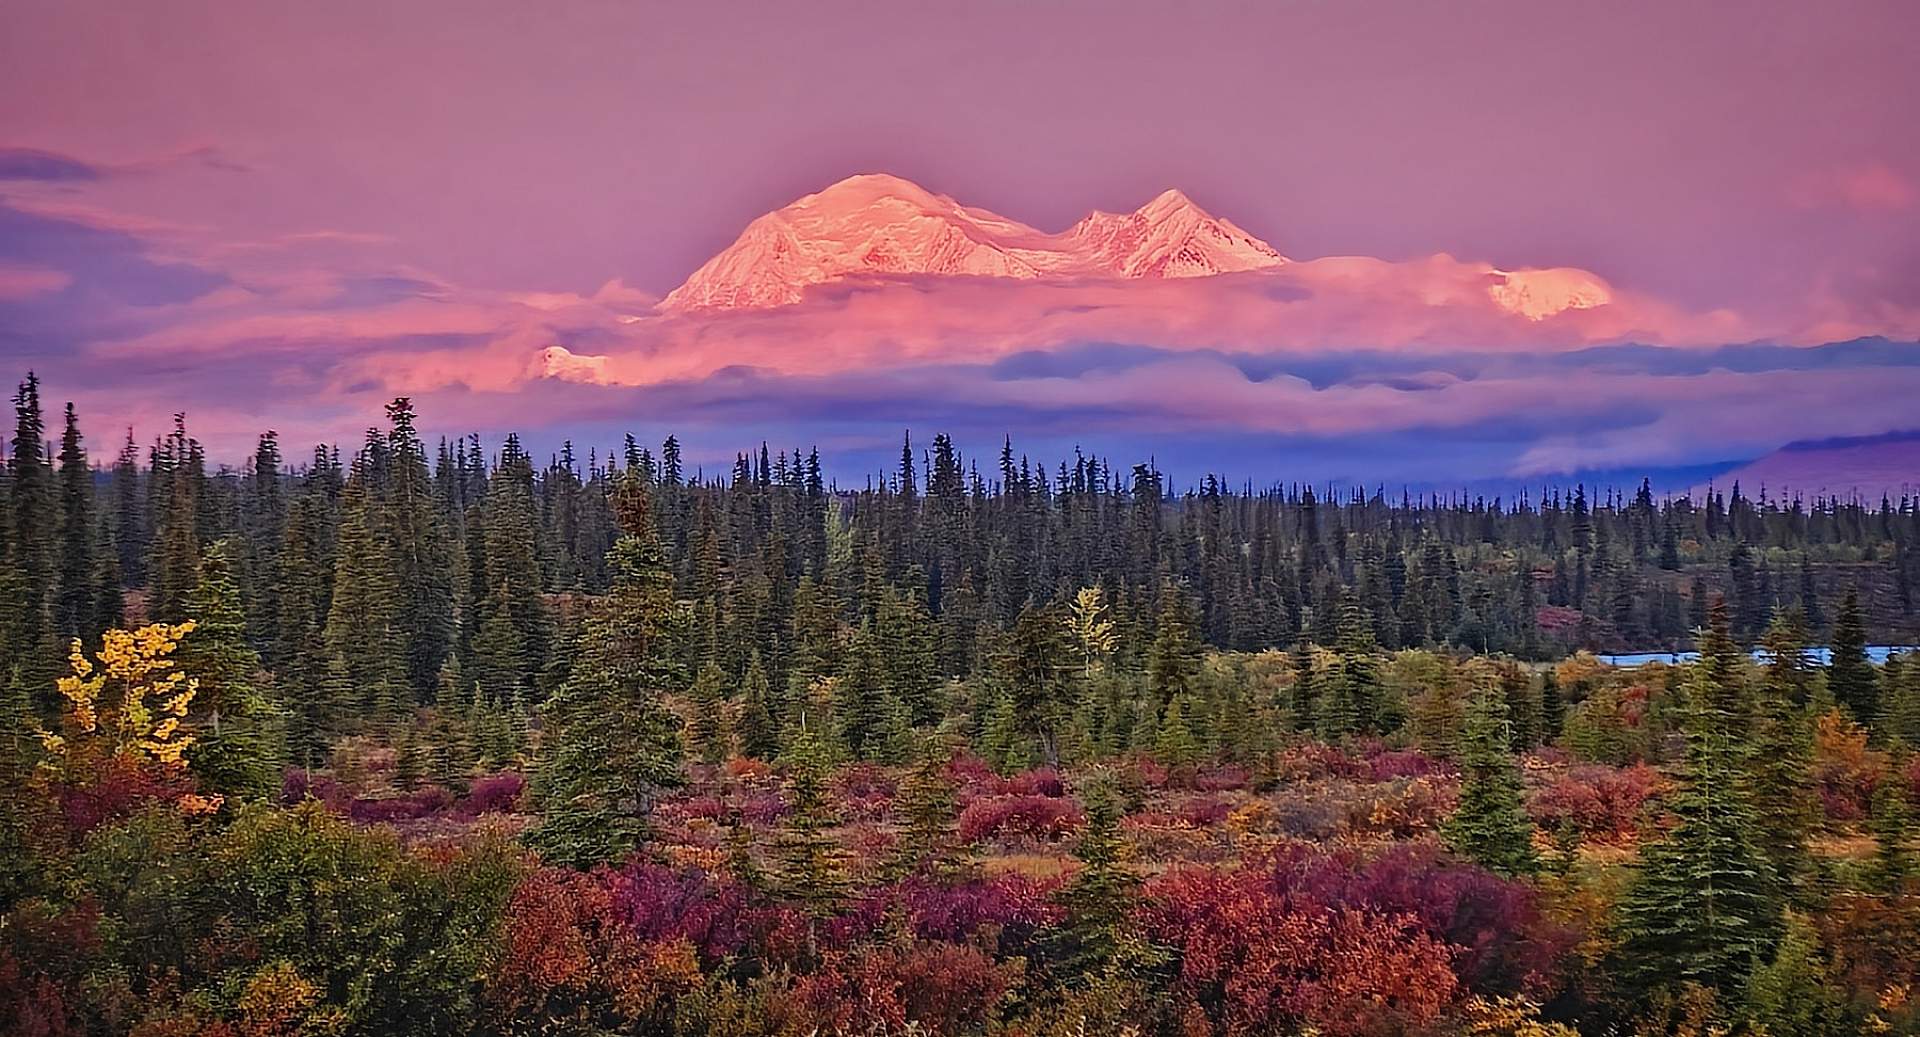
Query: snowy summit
(880,225)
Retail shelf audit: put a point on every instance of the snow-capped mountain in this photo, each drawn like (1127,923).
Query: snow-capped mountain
(879,225)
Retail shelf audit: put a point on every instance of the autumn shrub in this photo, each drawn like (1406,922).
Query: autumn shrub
(1602,803)
(1401,808)
(1845,772)
(1227,777)
(939,988)
(115,787)
(1041,781)
(570,960)
(1254,959)
(1202,811)
(1308,812)
(656,903)
(1392,764)
(1870,942)
(495,793)
(1313,761)
(1004,909)
(1034,818)
(1611,725)
(864,792)
(763,807)
(409,806)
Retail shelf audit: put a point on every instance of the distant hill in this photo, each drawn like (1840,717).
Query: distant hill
(1866,466)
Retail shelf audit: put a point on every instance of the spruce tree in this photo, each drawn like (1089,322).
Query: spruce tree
(1175,745)
(1781,763)
(1900,699)
(611,744)
(178,487)
(1490,826)
(26,578)
(810,863)
(927,806)
(238,753)
(759,726)
(75,611)
(1891,822)
(1849,675)
(511,533)
(421,564)
(1703,908)
(1003,740)
(1173,659)
(1101,896)
(298,655)
(707,730)
(365,662)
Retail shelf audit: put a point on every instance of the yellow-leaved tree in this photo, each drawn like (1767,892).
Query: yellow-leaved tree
(129,703)
(1092,631)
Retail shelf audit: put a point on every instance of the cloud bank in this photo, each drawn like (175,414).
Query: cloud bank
(1418,370)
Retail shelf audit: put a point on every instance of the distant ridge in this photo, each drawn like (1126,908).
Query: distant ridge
(1869,467)
(878,225)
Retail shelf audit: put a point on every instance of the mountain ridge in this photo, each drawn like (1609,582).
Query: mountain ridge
(876,224)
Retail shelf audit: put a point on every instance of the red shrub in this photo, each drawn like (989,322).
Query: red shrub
(1600,802)
(865,792)
(1845,772)
(763,808)
(1255,960)
(1203,811)
(1043,818)
(567,951)
(1002,911)
(496,793)
(709,808)
(32,1005)
(114,787)
(1041,781)
(659,903)
(943,988)
(1225,778)
(1315,760)
(1389,764)
(408,807)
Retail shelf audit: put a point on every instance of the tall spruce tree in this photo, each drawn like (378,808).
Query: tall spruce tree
(238,753)
(1849,675)
(1704,907)
(1781,763)
(26,579)
(612,744)
(421,564)
(365,664)
(1490,826)
(75,609)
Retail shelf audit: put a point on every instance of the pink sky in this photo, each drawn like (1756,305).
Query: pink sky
(1714,152)
(356,170)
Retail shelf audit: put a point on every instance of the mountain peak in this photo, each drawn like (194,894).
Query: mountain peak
(881,225)
(1169,201)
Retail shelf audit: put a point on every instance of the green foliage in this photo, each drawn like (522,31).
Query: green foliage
(1850,677)
(241,751)
(1704,907)
(1781,763)
(612,744)
(1490,826)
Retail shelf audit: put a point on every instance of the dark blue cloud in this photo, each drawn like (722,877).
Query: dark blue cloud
(112,277)
(49,166)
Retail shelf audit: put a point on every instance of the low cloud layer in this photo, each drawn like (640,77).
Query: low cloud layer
(1416,371)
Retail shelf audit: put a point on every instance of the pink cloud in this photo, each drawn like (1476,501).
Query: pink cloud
(20,282)
(1868,187)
